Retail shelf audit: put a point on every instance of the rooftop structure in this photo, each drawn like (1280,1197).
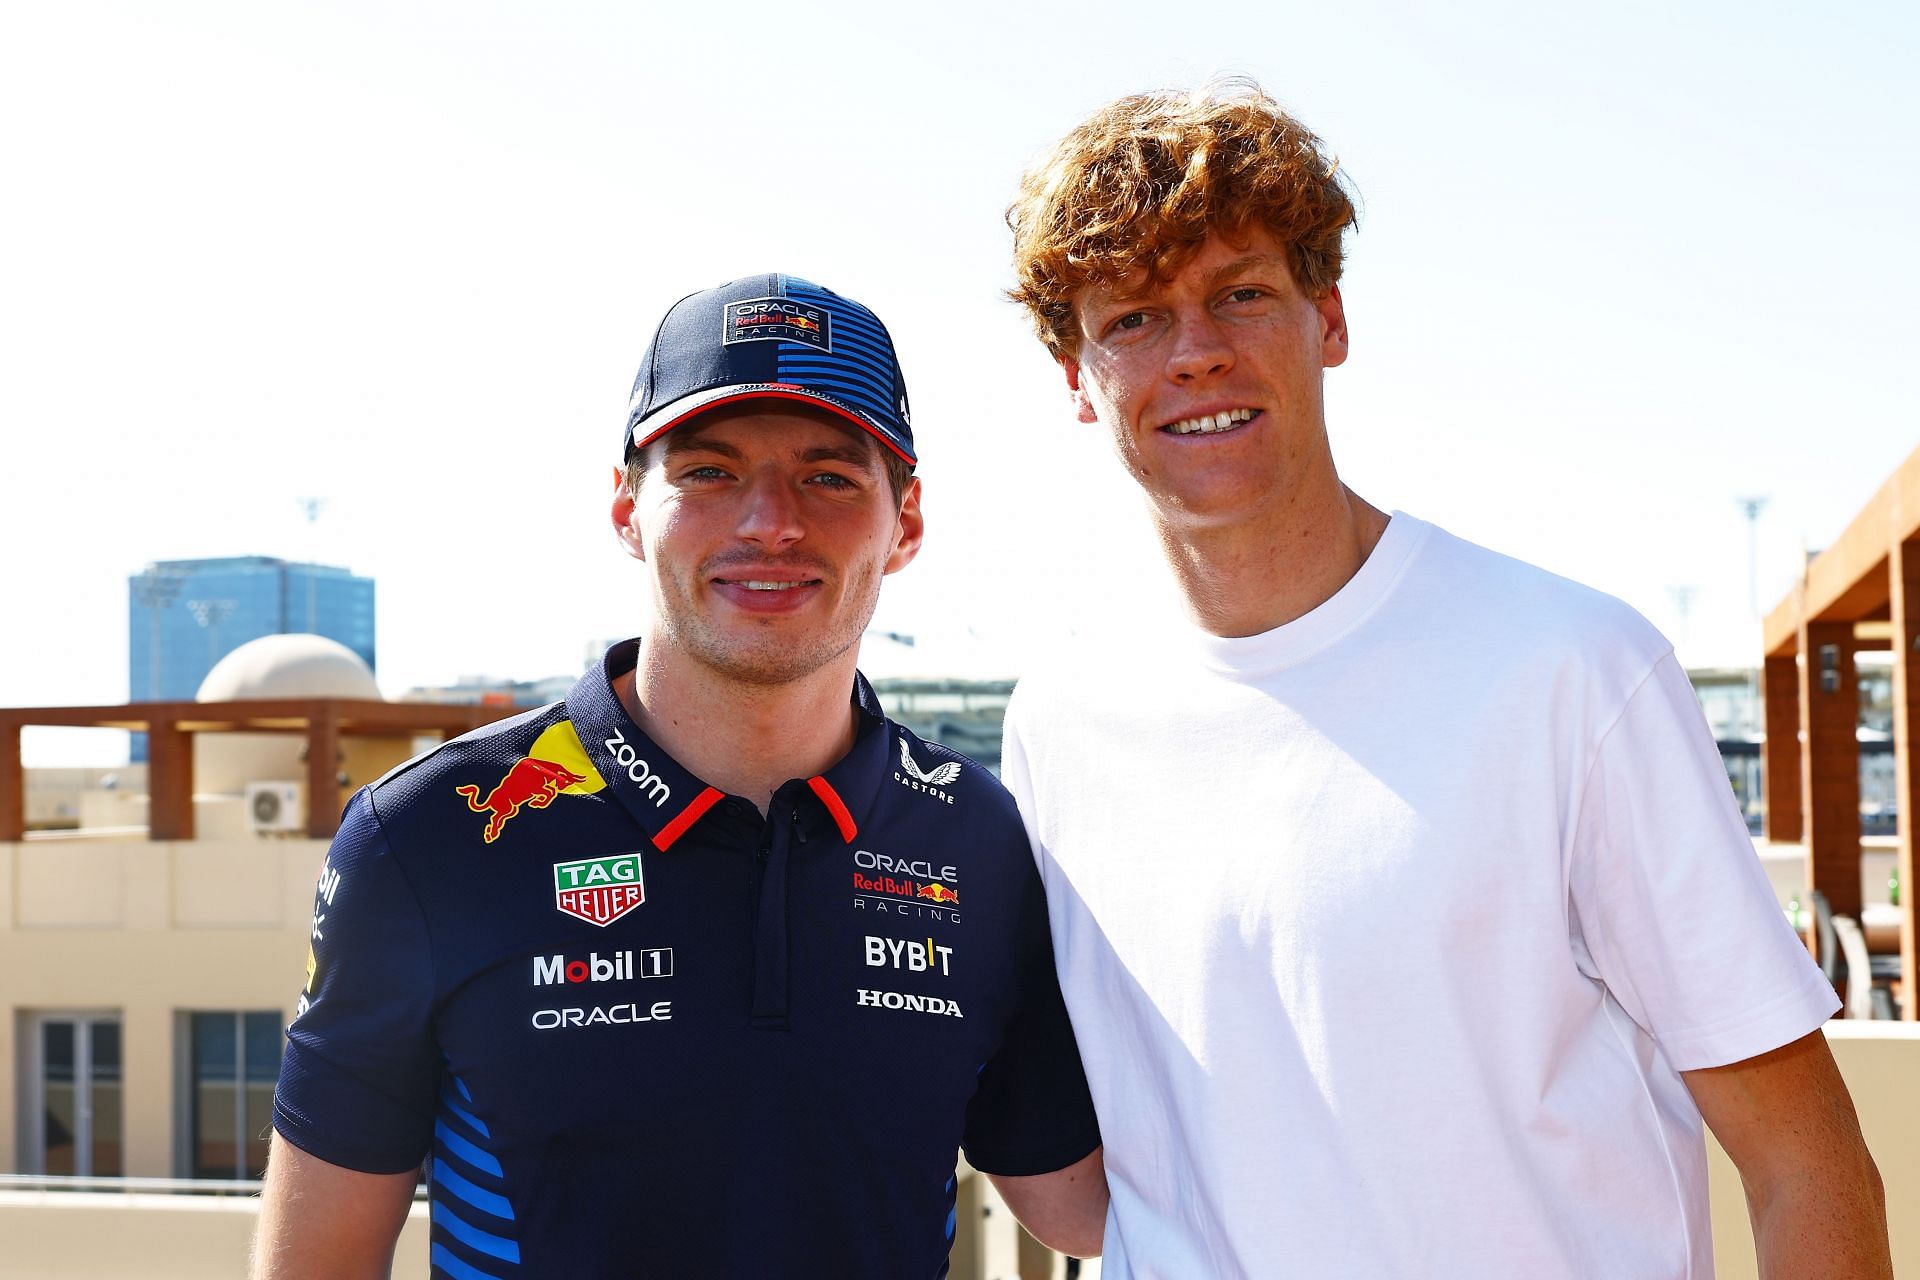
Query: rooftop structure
(1860,594)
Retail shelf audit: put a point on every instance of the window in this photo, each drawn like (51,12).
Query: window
(74,1105)
(233,1060)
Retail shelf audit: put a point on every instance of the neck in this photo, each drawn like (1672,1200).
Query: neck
(746,739)
(1250,576)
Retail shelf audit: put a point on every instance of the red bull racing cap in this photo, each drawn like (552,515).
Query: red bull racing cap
(771,337)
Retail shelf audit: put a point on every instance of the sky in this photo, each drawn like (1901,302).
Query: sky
(1618,267)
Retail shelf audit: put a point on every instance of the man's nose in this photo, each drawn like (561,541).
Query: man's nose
(770,514)
(1200,348)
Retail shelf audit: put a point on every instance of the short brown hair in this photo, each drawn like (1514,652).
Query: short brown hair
(1141,183)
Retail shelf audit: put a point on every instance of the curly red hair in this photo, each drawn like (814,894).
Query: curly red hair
(1141,183)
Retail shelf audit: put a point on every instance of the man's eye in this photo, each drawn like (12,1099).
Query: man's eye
(705,473)
(832,480)
(1131,320)
(1247,294)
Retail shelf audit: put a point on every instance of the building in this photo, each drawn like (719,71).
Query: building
(1730,700)
(1856,610)
(183,616)
(151,939)
(493,691)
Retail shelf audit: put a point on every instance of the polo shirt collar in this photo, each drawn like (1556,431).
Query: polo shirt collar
(665,799)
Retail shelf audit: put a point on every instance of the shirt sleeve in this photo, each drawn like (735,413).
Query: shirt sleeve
(1672,909)
(357,1083)
(1032,1112)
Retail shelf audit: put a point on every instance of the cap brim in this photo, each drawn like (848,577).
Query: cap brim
(666,418)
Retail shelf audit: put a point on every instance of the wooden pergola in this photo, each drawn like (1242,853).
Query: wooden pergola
(1861,593)
(170,728)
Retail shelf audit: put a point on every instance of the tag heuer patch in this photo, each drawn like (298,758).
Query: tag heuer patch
(778,320)
(599,890)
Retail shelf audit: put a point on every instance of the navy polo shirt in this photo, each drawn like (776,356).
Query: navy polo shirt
(643,1031)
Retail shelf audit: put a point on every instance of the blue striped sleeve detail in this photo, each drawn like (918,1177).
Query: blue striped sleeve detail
(480,1198)
(460,1147)
(467,1117)
(473,1237)
(446,1263)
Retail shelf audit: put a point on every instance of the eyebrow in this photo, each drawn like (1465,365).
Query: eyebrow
(850,453)
(1262,261)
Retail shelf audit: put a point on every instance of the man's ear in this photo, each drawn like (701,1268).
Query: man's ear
(908,531)
(1333,328)
(1082,406)
(625,527)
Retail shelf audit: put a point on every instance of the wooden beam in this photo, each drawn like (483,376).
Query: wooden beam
(354,715)
(13,786)
(1848,580)
(1830,765)
(1780,757)
(323,777)
(1905,575)
(169,782)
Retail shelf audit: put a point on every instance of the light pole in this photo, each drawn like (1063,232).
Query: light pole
(1751,507)
(312,507)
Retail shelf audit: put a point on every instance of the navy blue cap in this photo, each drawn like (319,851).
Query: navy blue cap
(770,337)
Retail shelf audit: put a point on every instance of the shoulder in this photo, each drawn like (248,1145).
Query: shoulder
(937,769)
(478,759)
(1500,595)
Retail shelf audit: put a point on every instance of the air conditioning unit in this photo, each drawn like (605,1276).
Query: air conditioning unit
(276,807)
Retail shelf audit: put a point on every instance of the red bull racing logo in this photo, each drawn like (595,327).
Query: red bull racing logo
(554,766)
(778,320)
(905,886)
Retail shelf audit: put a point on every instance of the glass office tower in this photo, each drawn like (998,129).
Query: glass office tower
(185,615)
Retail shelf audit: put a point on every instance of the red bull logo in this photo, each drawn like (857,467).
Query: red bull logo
(938,893)
(554,766)
(530,783)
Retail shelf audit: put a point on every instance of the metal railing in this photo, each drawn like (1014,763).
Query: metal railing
(148,1186)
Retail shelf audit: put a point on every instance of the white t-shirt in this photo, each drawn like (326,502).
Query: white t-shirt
(1387,932)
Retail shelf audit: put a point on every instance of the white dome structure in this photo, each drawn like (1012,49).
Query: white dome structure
(295,666)
(291,666)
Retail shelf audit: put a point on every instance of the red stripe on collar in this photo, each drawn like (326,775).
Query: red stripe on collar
(688,816)
(835,806)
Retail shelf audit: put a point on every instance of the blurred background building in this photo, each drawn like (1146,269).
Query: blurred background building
(183,616)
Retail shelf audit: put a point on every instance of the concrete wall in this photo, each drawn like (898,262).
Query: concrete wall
(146,930)
(1786,866)
(67,1235)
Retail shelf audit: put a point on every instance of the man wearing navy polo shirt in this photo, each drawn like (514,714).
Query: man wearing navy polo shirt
(710,968)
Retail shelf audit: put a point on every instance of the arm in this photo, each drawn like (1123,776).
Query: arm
(1065,1210)
(1813,1192)
(321,1222)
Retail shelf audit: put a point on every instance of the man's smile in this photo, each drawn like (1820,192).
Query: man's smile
(1211,423)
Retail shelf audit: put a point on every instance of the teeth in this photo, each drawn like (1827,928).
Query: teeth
(753,585)
(1209,423)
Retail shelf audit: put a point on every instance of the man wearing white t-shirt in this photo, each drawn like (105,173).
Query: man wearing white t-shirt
(1404,916)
